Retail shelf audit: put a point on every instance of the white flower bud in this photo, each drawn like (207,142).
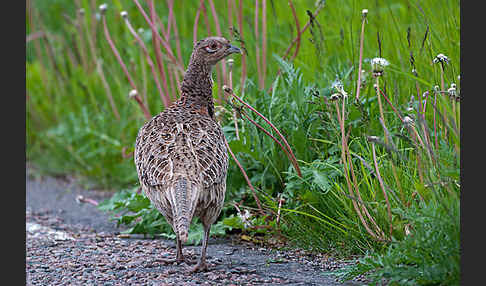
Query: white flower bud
(407,120)
(103,8)
(124,14)
(132,93)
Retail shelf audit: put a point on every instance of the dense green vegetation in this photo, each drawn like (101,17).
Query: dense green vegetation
(379,174)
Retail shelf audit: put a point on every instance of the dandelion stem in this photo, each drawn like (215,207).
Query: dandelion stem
(361,42)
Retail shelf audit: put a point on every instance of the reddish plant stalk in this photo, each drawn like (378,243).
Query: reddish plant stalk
(264,42)
(266,132)
(124,68)
(435,124)
(361,42)
(257,200)
(389,102)
(257,48)
(230,13)
(292,157)
(158,53)
(223,61)
(170,4)
(380,180)
(295,41)
(297,27)
(166,45)
(164,97)
(196,22)
(243,55)
(346,175)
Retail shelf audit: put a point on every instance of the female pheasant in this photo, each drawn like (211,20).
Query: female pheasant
(180,154)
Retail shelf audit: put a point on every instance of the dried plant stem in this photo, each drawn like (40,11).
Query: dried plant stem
(243,56)
(257,200)
(257,47)
(158,54)
(389,140)
(380,180)
(265,131)
(377,88)
(170,3)
(389,102)
(107,89)
(346,174)
(297,27)
(294,42)
(165,44)
(297,39)
(353,176)
(435,122)
(124,68)
(264,42)
(361,42)
(292,156)
(196,22)
(164,97)
(222,63)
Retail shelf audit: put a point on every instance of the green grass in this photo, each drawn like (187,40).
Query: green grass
(71,127)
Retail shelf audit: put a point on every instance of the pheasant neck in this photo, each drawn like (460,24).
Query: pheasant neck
(196,89)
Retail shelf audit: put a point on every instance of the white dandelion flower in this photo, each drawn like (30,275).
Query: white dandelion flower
(452,90)
(441,58)
(378,65)
(103,8)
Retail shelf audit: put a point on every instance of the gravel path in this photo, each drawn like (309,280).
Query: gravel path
(68,243)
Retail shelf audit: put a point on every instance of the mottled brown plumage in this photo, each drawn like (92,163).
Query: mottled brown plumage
(180,154)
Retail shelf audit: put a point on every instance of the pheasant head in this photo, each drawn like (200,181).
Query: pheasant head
(196,86)
(213,49)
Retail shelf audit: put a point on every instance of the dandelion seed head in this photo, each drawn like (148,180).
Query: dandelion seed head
(364,12)
(124,14)
(378,66)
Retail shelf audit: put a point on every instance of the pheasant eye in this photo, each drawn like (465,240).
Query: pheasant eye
(212,48)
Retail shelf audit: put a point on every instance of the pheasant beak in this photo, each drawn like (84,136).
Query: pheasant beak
(233,49)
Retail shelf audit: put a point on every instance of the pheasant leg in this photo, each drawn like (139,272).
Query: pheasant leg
(179,256)
(201,265)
